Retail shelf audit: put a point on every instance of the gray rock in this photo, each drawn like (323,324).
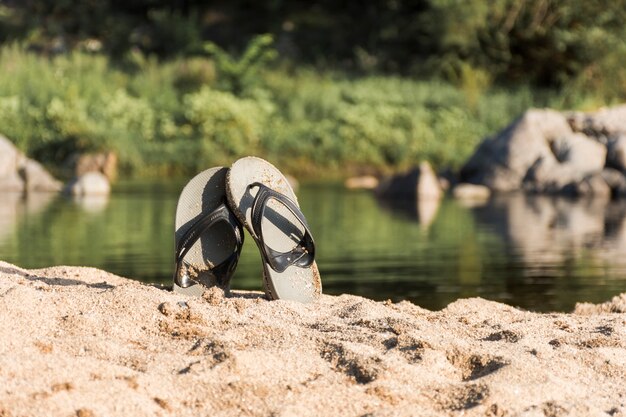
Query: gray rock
(575,158)
(12,182)
(616,155)
(565,179)
(36,178)
(465,191)
(616,181)
(89,184)
(19,173)
(365,182)
(582,154)
(9,157)
(592,185)
(548,152)
(604,123)
(502,162)
(548,176)
(420,183)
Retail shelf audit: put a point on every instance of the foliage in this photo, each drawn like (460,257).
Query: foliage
(539,42)
(309,121)
(228,126)
(240,74)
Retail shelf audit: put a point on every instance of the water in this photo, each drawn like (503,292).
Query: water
(537,253)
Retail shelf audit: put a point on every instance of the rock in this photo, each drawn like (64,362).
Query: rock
(575,158)
(583,155)
(502,162)
(365,182)
(604,123)
(466,191)
(592,185)
(104,162)
(19,173)
(616,155)
(615,180)
(420,183)
(549,152)
(12,182)
(444,183)
(447,179)
(9,157)
(89,184)
(547,176)
(36,178)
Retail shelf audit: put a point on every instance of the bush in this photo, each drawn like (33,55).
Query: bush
(178,117)
(227,126)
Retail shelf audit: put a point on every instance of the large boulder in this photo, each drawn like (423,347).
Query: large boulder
(502,162)
(604,123)
(19,173)
(580,153)
(420,183)
(576,157)
(545,151)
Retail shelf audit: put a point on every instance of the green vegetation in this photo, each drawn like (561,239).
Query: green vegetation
(179,116)
(544,42)
(334,87)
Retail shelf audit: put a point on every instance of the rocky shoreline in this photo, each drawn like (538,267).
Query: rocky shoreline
(545,151)
(23,175)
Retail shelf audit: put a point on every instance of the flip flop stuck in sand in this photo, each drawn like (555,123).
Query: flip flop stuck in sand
(208,236)
(262,199)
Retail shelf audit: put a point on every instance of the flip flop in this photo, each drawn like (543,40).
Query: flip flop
(208,236)
(262,199)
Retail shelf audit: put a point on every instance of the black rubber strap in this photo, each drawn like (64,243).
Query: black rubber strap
(303,254)
(221,271)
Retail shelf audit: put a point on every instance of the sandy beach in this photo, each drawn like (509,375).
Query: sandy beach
(83,342)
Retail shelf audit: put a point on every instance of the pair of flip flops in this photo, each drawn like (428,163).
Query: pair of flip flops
(211,210)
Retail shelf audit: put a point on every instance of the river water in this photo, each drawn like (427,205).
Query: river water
(537,253)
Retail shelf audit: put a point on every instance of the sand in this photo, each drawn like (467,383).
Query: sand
(83,342)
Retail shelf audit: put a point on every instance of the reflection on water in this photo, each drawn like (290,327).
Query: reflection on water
(546,231)
(423,211)
(17,206)
(534,252)
(92,203)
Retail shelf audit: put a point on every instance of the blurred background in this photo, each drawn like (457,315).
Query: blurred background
(320,86)
(325,90)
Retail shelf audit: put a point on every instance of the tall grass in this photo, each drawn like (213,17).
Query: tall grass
(178,117)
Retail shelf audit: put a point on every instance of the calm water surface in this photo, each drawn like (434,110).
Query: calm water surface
(537,253)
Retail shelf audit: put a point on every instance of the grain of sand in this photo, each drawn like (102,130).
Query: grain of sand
(83,342)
